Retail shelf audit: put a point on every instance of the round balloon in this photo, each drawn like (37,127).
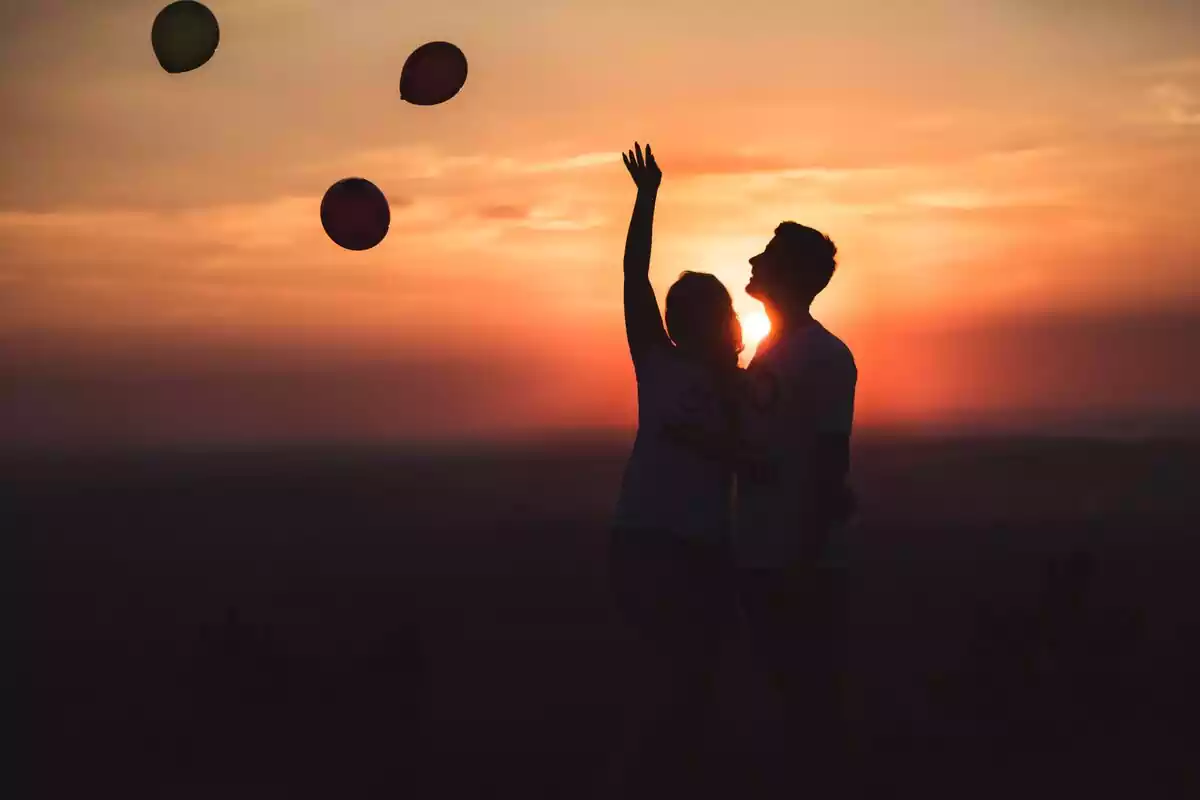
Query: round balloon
(185,35)
(432,74)
(355,214)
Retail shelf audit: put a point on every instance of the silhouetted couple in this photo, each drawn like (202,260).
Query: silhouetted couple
(736,481)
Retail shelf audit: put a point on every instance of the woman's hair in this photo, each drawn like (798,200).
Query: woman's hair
(700,316)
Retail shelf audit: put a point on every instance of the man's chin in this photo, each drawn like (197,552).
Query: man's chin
(754,290)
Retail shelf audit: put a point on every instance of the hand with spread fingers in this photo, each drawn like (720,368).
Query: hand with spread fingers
(644,169)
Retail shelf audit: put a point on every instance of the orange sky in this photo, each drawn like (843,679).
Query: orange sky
(980,164)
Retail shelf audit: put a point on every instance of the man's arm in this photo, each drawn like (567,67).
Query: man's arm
(832,501)
(643,322)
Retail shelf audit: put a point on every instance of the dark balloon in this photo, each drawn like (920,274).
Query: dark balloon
(433,74)
(185,35)
(355,214)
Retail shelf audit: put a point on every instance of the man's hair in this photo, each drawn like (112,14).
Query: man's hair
(810,255)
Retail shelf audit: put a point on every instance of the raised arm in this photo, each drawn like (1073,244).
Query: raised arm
(643,322)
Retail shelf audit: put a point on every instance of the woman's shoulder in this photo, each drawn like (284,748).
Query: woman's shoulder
(655,358)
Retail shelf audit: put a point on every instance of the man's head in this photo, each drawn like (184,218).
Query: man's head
(794,267)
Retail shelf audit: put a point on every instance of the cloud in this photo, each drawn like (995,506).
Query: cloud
(1176,104)
(272,261)
(504,212)
(127,265)
(1000,184)
(427,163)
(691,165)
(285,231)
(1174,68)
(280,223)
(419,162)
(975,199)
(581,161)
(545,218)
(456,200)
(551,219)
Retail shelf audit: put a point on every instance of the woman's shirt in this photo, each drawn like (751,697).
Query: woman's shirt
(669,485)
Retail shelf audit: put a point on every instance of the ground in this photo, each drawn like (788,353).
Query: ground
(365,622)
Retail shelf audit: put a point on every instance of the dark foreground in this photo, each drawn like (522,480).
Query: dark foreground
(378,624)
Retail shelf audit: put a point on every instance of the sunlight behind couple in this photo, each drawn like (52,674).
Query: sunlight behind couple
(755,327)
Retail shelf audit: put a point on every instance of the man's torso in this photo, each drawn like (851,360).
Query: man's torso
(798,390)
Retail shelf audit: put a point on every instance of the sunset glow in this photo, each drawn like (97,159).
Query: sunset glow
(755,327)
(979,165)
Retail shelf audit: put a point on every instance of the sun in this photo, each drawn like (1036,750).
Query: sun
(755,327)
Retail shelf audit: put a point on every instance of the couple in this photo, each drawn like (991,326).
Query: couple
(736,480)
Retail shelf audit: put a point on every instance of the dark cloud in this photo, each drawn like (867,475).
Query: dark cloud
(160,386)
(1150,8)
(1094,363)
(67,394)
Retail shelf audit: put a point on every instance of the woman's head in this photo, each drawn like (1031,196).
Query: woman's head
(701,320)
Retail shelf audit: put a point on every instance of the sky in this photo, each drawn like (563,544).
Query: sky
(1011,185)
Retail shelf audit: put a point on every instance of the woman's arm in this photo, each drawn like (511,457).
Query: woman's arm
(643,322)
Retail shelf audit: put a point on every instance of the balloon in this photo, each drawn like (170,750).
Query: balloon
(185,35)
(355,214)
(433,73)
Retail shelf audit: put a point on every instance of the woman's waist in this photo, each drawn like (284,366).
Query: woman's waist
(666,461)
(708,501)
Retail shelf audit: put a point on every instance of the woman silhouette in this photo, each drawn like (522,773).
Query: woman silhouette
(668,549)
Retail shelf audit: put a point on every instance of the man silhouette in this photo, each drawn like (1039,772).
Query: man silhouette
(798,409)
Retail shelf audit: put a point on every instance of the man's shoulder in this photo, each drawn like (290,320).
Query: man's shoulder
(830,342)
(814,347)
